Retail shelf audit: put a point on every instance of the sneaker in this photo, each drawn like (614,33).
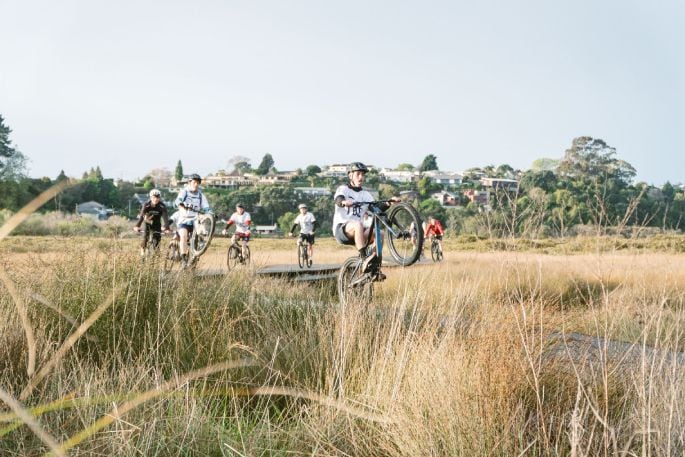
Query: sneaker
(370,263)
(379,276)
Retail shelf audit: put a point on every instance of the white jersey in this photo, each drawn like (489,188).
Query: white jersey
(193,202)
(306,222)
(344,214)
(241,221)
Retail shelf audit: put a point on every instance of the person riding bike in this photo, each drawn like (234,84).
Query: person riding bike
(434,230)
(190,202)
(242,221)
(348,220)
(153,212)
(308,226)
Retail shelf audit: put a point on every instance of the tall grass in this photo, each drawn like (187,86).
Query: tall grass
(461,358)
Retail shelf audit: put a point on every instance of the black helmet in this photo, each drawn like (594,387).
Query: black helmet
(357,166)
(240,205)
(195,177)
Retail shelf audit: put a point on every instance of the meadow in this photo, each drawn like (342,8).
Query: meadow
(507,348)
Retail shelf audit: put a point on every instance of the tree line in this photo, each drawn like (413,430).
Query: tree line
(588,187)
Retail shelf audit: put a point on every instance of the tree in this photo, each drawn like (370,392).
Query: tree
(592,158)
(161,177)
(241,164)
(178,173)
(430,162)
(265,165)
(12,162)
(405,167)
(312,170)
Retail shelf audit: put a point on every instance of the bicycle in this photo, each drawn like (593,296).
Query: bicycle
(436,250)
(152,245)
(234,255)
(303,252)
(356,285)
(203,231)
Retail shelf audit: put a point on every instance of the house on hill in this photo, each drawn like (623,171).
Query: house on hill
(94,210)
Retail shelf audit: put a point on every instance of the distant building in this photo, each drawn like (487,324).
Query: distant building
(476,196)
(94,210)
(313,192)
(334,171)
(265,229)
(226,180)
(500,183)
(403,176)
(446,198)
(445,178)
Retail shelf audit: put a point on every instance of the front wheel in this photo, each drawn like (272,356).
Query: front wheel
(351,285)
(203,231)
(301,255)
(172,256)
(402,221)
(232,256)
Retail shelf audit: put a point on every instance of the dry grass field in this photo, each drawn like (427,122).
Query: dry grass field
(100,354)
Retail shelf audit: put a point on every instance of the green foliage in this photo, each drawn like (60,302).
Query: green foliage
(265,165)
(312,170)
(178,172)
(430,162)
(405,167)
(285,222)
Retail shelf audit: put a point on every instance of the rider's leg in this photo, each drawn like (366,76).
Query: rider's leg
(183,243)
(143,243)
(356,231)
(311,247)
(242,247)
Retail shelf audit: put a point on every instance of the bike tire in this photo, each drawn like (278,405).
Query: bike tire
(172,256)
(440,255)
(203,231)
(301,255)
(232,256)
(246,259)
(434,252)
(400,216)
(350,271)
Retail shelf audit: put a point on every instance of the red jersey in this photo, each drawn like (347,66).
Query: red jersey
(434,229)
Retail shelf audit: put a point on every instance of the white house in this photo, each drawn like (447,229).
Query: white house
(443,177)
(313,191)
(398,175)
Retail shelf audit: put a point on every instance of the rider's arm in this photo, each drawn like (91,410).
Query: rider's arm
(339,201)
(141,216)
(204,204)
(165,218)
(292,229)
(180,198)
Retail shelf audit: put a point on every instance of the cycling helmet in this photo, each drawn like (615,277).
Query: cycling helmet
(240,205)
(301,205)
(155,193)
(357,166)
(195,177)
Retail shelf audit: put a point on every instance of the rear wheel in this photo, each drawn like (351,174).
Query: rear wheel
(400,218)
(350,286)
(202,234)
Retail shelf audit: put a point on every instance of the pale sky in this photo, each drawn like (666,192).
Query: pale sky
(135,85)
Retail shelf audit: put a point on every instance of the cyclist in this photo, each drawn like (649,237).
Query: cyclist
(348,220)
(190,202)
(308,225)
(152,213)
(242,221)
(434,230)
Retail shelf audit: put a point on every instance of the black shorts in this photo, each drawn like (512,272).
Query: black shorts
(308,237)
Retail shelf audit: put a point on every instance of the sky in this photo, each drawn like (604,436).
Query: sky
(134,85)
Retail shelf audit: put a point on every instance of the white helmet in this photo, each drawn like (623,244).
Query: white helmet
(155,193)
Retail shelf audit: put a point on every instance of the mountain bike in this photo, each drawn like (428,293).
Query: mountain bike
(235,257)
(436,250)
(303,252)
(200,238)
(357,285)
(152,245)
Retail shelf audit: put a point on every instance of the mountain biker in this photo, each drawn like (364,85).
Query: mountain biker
(434,230)
(308,226)
(152,213)
(242,221)
(190,202)
(348,220)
